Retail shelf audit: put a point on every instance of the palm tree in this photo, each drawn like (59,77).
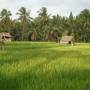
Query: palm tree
(83,25)
(57,26)
(43,15)
(24,18)
(6,22)
(33,31)
(71,23)
(43,21)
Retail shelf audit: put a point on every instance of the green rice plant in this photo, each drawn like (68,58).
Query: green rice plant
(44,66)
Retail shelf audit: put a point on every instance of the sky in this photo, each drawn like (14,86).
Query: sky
(61,7)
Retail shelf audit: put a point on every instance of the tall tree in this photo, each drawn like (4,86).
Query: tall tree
(83,25)
(24,18)
(43,21)
(6,22)
(71,24)
(43,15)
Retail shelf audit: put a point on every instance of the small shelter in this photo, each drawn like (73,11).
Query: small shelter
(4,36)
(67,40)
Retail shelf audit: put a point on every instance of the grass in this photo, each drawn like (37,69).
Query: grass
(44,66)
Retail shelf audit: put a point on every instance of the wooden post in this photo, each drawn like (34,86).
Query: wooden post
(2,39)
(2,45)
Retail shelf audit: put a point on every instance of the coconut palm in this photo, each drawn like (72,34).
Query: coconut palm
(6,22)
(24,18)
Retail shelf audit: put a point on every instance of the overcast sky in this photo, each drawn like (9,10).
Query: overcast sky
(62,7)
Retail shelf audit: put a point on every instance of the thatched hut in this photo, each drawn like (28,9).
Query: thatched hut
(67,40)
(5,36)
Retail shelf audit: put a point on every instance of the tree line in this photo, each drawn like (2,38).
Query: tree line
(45,27)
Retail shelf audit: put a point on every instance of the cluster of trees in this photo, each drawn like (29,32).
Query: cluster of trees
(45,27)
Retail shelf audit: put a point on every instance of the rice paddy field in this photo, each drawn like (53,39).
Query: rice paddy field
(44,66)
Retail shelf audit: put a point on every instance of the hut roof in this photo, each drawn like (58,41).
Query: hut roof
(66,38)
(5,34)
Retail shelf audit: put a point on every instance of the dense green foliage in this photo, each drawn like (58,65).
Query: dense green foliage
(44,66)
(46,27)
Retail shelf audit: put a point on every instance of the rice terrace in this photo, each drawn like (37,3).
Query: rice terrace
(44,66)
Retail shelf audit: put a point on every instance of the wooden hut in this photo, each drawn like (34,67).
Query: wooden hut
(5,36)
(67,40)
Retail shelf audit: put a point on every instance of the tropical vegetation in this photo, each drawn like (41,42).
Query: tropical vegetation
(45,27)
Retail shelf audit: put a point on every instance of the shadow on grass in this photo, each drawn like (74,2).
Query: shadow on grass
(8,83)
(72,80)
